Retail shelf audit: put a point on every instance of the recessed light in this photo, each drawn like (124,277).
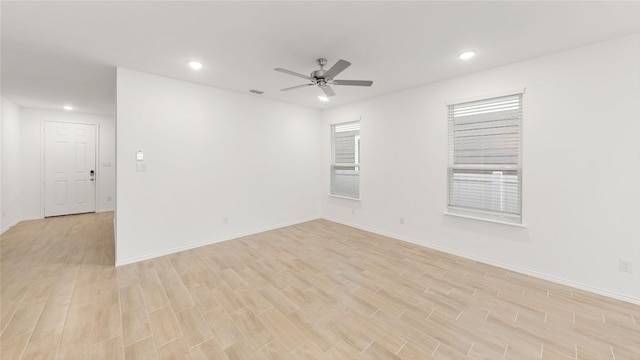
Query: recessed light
(195,65)
(323,98)
(68,108)
(467,55)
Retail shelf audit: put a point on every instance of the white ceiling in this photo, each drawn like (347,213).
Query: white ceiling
(57,53)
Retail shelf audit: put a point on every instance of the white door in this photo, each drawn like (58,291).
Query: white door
(69,168)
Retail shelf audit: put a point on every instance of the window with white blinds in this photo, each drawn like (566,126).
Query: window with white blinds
(345,163)
(485,158)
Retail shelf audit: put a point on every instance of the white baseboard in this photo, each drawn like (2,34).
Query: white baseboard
(210,242)
(517,269)
(4,229)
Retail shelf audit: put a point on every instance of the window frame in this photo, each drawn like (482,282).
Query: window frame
(486,214)
(334,164)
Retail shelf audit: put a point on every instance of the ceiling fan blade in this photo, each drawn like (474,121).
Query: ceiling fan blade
(292,73)
(327,90)
(296,87)
(336,69)
(353,82)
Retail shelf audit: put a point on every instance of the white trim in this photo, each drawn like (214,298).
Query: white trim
(18,222)
(97,168)
(486,96)
(6,228)
(343,197)
(484,219)
(209,242)
(554,279)
(485,167)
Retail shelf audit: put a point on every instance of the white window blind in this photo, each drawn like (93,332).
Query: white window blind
(485,158)
(345,164)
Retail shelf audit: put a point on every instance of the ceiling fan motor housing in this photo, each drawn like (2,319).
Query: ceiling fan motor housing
(318,76)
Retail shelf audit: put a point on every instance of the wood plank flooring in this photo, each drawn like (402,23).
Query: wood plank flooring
(317,290)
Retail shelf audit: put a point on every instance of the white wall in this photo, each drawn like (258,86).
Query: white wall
(10,185)
(581,151)
(210,154)
(31,157)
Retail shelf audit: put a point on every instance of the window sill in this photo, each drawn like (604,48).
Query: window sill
(344,197)
(485,220)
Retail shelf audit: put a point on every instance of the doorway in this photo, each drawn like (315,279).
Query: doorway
(69,168)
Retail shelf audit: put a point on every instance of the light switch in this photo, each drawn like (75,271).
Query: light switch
(139,155)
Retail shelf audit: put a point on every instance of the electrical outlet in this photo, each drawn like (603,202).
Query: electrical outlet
(625,265)
(353,211)
(402,220)
(108,198)
(225,221)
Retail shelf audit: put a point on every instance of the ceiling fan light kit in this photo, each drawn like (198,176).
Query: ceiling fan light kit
(323,78)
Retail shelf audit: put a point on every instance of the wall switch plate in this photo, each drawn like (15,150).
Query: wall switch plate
(625,265)
(225,221)
(139,155)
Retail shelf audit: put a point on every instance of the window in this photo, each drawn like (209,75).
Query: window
(345,162)
(485,158)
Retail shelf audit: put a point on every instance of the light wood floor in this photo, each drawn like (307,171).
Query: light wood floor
(317,290)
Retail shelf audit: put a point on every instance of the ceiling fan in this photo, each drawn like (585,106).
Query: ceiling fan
(324,78)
